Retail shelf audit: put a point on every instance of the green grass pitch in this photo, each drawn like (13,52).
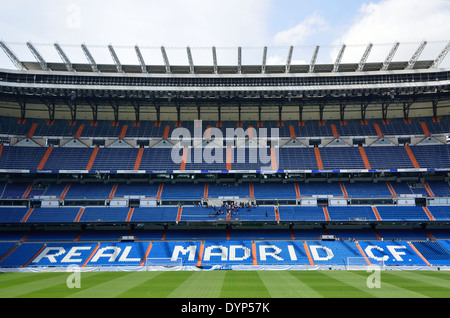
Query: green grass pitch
(227,284)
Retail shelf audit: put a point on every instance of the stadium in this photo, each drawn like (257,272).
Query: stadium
(114,167)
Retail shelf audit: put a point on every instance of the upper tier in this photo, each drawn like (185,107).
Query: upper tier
(32,127)
(191,160)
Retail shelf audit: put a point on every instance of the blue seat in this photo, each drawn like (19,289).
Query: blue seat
(320,188)
(53,215)
(155,214)
(301,213)
(183,191)
(402,213)
(363,189)
(388,157)
(432,156)
(12,214)
(341,158)
(351,213)
(115,159)
(439,212)
(433,252)
(20,157)
(137,189)
(297,158)
(104,214)
(89,190)
(241,190)
(274,190)
(440,188)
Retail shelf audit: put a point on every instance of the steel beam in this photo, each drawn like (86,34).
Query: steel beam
(338,59)
(191,61)
(313,59)
(115,59)
(141,59)
(64,57)
(90,58)
(416,55)
(13,57)
(214,59)
(38,57)
(239,60)
(441,56)
(390,56)
(263,65)
(364,58)
(166,59)
(289,59)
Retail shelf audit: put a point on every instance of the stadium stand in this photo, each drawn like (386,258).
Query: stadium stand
(331,158)
(152,129)
(223,252)
(177,173)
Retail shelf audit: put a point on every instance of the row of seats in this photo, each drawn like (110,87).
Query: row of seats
(363,213)
(12,215)
(234,233)
(197,191)
(310,128)
(227,252)
(286,158)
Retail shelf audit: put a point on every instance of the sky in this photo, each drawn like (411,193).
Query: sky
(201,24)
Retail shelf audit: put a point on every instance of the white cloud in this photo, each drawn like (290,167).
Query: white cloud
(151,23)
(301,32)
(405,21)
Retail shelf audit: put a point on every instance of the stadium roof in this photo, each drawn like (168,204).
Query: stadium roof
(358,84)
(291,67)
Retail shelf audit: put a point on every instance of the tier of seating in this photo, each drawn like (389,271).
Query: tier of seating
(175,233)
(311,128)
(170,159)
(263,213)
(197,191)
(224,252)
(82,205)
